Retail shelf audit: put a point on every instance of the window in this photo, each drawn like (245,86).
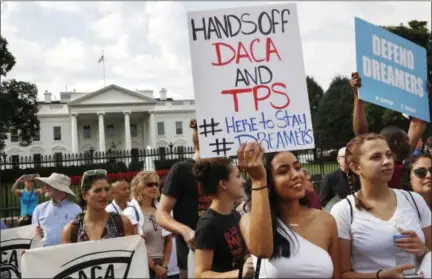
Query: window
(15,161)
(37,160)
(87,132)
(14,135)
(161,129)
(37,136)
(57,133)
(179,128)
(110,130)
(133,130)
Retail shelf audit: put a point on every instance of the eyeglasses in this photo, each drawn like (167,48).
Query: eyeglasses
(152,184)
(153,221)
(422,172)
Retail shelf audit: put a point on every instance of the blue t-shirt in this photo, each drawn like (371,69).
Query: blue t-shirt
(28,201)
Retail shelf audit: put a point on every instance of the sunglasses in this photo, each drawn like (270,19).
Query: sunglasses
(95,172)
(152,184)
(422,172)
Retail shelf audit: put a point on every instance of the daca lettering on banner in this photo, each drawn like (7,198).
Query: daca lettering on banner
(100,265)
(11,251)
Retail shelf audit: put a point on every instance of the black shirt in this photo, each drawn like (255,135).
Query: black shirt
(181,184)
(221,233)
(335,183)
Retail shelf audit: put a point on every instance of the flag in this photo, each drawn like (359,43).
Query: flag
(101,59)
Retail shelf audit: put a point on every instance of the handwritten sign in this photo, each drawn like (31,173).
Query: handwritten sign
(14,242)
(393,70)
(249,79)
(123,257)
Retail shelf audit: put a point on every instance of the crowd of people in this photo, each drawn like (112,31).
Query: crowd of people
(260,217)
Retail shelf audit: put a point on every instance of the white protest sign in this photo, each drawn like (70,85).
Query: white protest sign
(249,79)
(123,257)
(13,243)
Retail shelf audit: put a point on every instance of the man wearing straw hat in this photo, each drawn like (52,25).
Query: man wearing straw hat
(51,216)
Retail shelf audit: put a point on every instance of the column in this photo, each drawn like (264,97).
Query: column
(128,141)
(152,129)
(144,128)
(101,131)
(74,133)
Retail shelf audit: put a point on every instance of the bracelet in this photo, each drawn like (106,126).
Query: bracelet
(377,274)
(259,188)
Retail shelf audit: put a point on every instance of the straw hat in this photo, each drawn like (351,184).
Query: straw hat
(57,181)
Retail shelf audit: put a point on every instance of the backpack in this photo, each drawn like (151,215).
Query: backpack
(76,223)
(404,192)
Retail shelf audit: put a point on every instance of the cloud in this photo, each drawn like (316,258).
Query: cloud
(146,44)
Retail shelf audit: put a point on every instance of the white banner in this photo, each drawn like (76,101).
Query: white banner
(249,79)
(123,257)
(13,243)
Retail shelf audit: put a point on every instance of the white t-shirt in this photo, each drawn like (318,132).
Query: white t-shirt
(372,238)
(114,207)
(132,212)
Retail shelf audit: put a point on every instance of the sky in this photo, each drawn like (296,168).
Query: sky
(146,45)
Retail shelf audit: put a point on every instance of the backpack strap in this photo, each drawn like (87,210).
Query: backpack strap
(136,212)
(75,229)
(351,209)
(413,201)
(118,221)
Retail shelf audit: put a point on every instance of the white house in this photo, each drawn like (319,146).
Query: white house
(112,118)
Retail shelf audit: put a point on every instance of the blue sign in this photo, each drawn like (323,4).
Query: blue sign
(393,70)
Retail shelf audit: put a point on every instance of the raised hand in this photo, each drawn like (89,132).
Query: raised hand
(250,159)
(355,82)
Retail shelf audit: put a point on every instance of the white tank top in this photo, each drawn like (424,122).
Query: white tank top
(307,260)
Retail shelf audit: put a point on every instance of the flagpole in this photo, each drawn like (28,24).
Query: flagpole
(103,61)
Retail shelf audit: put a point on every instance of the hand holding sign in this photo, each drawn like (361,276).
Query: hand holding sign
(250,159)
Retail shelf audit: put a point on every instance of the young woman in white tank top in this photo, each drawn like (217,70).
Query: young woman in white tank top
(292,240)
(368,219)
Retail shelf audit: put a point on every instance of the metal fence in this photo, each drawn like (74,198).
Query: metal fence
(120,165)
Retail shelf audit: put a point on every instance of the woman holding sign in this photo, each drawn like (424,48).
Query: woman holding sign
(96,223)
(292,240)
(219,247)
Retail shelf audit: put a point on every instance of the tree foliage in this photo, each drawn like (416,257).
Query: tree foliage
(334,117)
(18,102)
(315,93)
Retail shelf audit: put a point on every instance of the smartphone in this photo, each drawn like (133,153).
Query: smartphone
(29,176)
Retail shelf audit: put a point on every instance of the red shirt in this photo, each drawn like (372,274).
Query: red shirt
(396,180)
(313,199)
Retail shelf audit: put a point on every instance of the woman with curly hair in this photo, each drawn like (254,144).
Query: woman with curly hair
(145,190)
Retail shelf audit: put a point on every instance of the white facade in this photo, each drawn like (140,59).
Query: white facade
(111,118)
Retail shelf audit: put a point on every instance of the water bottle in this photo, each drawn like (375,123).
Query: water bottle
(403,257)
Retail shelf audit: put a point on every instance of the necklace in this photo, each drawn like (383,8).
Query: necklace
(293,225)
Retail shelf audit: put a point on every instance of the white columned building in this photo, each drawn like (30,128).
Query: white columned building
(110,118)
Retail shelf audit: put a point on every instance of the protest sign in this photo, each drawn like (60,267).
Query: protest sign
(123,257)
(249,79)
(393,70)
(13,243)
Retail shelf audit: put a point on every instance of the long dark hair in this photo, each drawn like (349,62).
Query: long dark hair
(282,247)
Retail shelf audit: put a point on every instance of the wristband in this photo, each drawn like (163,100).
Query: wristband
(377,274)
(259,188)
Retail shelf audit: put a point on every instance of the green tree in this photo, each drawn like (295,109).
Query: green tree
(334,124)
(18,102)
(315,93)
